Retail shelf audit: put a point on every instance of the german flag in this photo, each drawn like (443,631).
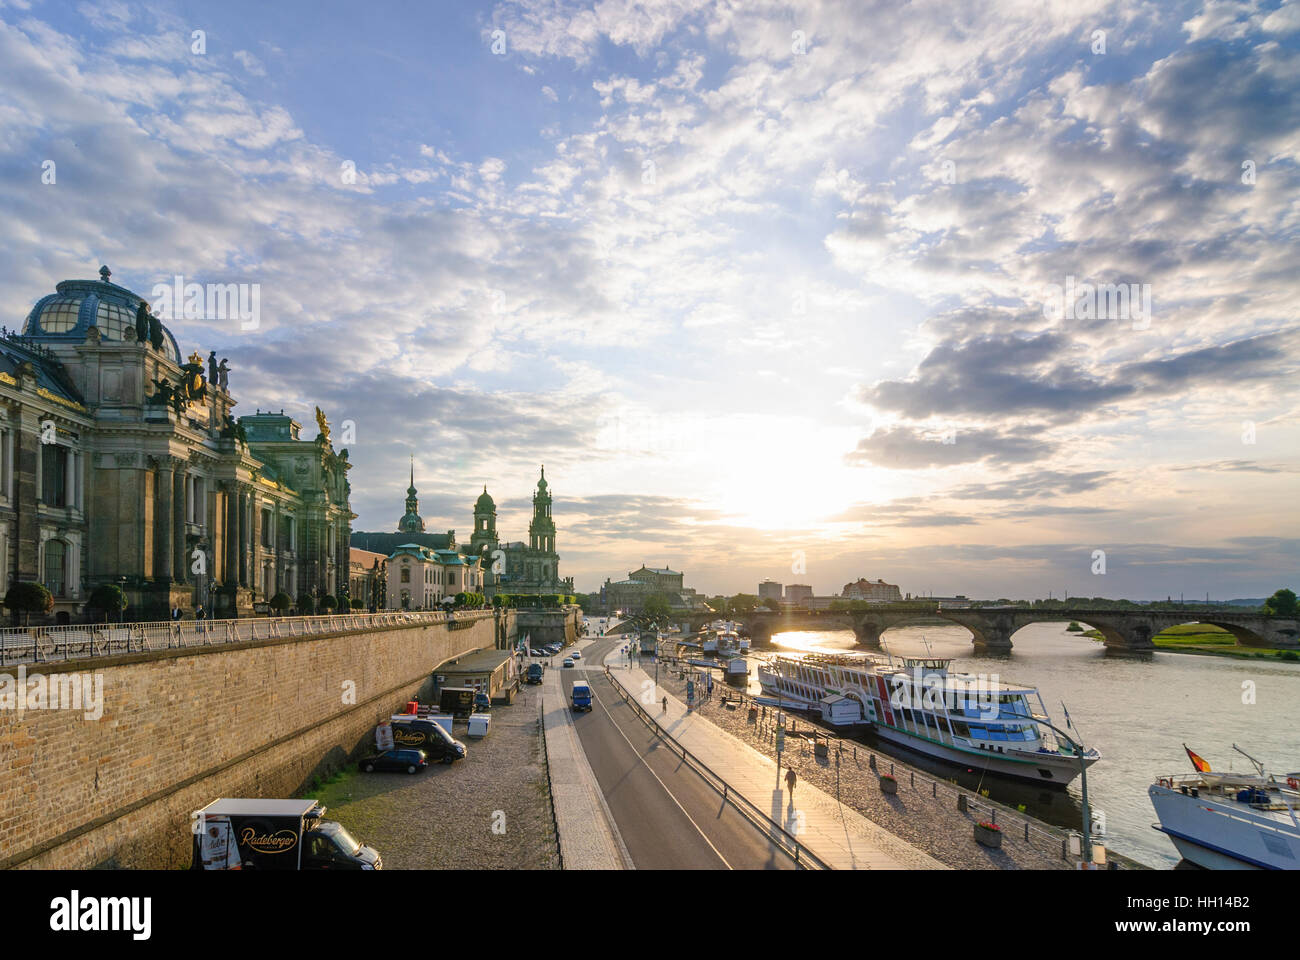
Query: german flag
(1201,765)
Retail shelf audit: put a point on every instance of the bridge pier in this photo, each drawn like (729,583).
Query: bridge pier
(993,638)
(867,633)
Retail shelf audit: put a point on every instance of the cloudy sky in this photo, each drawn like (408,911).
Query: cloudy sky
(772,289)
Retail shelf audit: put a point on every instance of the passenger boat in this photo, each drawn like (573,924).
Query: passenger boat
(1226,821)
(737,670)
(709,641)
(974,721)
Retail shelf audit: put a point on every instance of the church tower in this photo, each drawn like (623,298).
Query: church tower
(485,525)
(411,521)
(541,532)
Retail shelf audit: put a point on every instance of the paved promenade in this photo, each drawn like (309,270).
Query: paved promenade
(839,835)
(588,838)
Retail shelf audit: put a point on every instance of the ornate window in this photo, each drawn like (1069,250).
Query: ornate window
(60,316)
(54,567)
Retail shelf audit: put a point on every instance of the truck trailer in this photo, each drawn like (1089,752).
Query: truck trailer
(253,834)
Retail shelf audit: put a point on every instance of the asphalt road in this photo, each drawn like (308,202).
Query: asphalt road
(669,817)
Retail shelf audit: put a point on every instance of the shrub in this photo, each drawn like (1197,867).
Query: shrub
(327,602)
(29,597)
(306,604)
(281,602)
(356,604)
(109,598)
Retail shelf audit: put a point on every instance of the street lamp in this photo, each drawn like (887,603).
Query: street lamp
(1079,752)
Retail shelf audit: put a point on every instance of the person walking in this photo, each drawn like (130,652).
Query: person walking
(665,704)
(791,778)
(200,616)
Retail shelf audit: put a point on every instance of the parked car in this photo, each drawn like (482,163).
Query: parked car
(568,663)
(482,703)
(534,674)
(412,761)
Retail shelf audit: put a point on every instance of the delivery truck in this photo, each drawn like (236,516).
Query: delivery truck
(427,734)
(244,834)
(458,701)
(581,696)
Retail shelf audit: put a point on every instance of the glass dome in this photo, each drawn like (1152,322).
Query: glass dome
(81,304)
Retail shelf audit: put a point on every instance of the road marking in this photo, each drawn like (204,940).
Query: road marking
(661,783)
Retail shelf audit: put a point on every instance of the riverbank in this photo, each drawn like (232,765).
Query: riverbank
(924,811)
(1207,640)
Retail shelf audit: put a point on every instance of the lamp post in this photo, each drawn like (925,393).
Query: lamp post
(1079,752)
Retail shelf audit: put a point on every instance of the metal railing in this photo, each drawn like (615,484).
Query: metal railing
(804,859)
(87,641)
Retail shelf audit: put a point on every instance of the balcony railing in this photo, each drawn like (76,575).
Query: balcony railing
(82,642)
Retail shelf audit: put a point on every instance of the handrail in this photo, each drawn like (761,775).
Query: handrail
(804,859)
(89,641)
(914,779)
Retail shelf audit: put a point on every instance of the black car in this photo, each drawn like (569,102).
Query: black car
(411,761)
(534,673)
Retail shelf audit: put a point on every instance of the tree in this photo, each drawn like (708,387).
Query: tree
(772,603)
(109,598)
(719,605)
(306,604)
(743,603)
(1281,604)
(281,602)
(327,602)
(29,598)
(357,604)
(657,605)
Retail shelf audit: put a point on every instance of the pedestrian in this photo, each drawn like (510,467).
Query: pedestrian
(790,779)
(199,615)
(176,612)
(665,704)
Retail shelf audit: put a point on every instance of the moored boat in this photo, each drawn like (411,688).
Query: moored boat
(1227,821)
(974,721)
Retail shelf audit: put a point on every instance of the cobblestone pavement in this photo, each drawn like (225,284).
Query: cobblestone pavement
(444,818)
(930,823)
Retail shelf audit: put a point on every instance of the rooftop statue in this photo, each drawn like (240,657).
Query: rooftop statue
(323,424)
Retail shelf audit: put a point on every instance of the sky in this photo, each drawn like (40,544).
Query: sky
(772,289)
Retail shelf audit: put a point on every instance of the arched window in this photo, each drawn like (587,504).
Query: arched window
(54,566)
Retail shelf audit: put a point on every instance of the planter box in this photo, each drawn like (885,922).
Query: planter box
(987,837)
(888,785)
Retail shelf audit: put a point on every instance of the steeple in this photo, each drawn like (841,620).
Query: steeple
(411,521)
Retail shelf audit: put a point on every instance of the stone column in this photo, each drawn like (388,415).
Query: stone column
(182,560)
(231,569)
(164,549)
(242,509)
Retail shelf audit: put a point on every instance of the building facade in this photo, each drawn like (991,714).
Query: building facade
(367,578)
(769,590)
(121,462)
(875,591)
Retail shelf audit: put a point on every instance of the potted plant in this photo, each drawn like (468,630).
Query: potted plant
(988,834)
(888,784)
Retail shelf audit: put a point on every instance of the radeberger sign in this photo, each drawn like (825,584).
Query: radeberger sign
(277,842)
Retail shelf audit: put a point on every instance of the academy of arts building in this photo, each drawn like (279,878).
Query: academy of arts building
(121,462)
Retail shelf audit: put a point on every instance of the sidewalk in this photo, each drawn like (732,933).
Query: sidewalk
(839,835)
(588,838)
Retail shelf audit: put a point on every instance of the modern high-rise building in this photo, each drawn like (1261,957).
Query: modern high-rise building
(769,589)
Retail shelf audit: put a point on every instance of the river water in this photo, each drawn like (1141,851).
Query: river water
(1138,711)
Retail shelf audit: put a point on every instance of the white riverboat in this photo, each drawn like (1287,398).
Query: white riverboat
(1226,821)
(975,721)
(709,641)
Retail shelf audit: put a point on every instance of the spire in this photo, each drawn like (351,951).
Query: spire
(411,488)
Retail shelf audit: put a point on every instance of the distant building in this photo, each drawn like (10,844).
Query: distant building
(418,578)
(874,591)
(797,593)
(769,590)
(367,577)
(631,594)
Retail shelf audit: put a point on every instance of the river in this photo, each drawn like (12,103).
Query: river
(1138,711)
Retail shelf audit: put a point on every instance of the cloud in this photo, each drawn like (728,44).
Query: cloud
(907,448)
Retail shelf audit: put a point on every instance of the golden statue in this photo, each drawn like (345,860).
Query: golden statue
(323,424)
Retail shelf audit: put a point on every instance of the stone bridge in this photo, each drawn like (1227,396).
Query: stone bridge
(992,627)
